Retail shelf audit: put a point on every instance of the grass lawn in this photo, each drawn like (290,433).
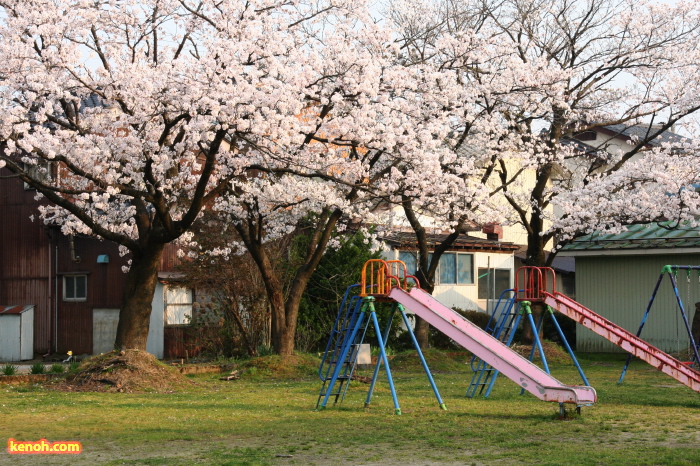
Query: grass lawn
(259,419)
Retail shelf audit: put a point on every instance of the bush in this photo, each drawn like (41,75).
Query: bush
(37,368)
(339,268)
(57,368)
(9,369)
(568,327)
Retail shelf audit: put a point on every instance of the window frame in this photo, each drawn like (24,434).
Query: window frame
(496,279)
(438,281)
(75,298)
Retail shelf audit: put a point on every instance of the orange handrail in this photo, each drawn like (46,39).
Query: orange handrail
(380,276)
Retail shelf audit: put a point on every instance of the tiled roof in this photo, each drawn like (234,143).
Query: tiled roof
(92,101)
(405,240)
(642,131)
(644,236)
(560,263)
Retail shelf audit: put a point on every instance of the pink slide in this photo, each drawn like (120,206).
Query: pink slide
(624,339)
(493,352)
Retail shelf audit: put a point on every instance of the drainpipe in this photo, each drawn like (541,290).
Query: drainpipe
(55,301)
(71,242)
(49,287)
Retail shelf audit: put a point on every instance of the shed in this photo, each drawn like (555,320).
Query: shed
(616,275)
(16,333)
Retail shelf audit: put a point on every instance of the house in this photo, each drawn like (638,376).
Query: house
(75,283)
(471,274)
(616,275)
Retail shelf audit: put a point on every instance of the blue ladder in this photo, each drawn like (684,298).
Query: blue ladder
(339,360)
(342,348)
(502,326)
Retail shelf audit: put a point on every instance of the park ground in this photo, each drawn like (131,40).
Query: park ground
(267,417)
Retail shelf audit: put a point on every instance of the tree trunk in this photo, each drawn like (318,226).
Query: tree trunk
(286,311)
(135,314)
(535,257)
(422,330)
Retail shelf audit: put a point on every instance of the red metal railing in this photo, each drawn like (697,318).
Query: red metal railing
(532,282)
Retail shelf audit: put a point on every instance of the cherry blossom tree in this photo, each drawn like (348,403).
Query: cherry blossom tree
(552,71)
(537,74)
(144,113)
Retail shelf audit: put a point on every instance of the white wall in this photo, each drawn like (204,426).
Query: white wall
(466,296)
(156,343)
(104,329)
(10,337)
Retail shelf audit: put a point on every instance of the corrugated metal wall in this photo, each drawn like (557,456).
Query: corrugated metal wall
(29,253)
(619,289)
(26,259)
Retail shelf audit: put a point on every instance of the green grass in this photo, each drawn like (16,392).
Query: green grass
(262,419)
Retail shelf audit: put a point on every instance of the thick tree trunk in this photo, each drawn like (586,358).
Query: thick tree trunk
(422,330)
(135,314)
(536,256)
(285,310)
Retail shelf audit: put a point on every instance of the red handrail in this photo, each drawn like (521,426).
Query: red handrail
(531,283)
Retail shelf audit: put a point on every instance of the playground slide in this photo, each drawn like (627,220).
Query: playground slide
(489,349)
(624,339)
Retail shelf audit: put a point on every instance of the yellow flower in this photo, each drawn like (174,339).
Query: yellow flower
(70,353)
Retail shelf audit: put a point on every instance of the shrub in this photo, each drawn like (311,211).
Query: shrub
(57,368)
(37,368)
(9,369)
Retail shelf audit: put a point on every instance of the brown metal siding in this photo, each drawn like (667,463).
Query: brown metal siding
(28,272)
(619,288)
(183,341)
(74,320)
(105,283)
(26,259)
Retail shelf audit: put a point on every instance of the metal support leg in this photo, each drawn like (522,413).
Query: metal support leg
(568,348)
(422,358)
(373,315)
(372,384)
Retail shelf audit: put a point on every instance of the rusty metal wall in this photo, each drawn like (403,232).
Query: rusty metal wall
(183,341)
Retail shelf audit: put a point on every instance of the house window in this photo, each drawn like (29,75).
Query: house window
(456,269)
(492,282)
(409,258)
(75,288)
(453,268)
(178,305)
(586,136)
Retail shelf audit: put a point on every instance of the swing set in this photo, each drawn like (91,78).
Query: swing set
(672,272)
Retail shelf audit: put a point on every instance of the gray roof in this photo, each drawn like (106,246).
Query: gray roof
(644,236)
(92,101)
(642,131)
